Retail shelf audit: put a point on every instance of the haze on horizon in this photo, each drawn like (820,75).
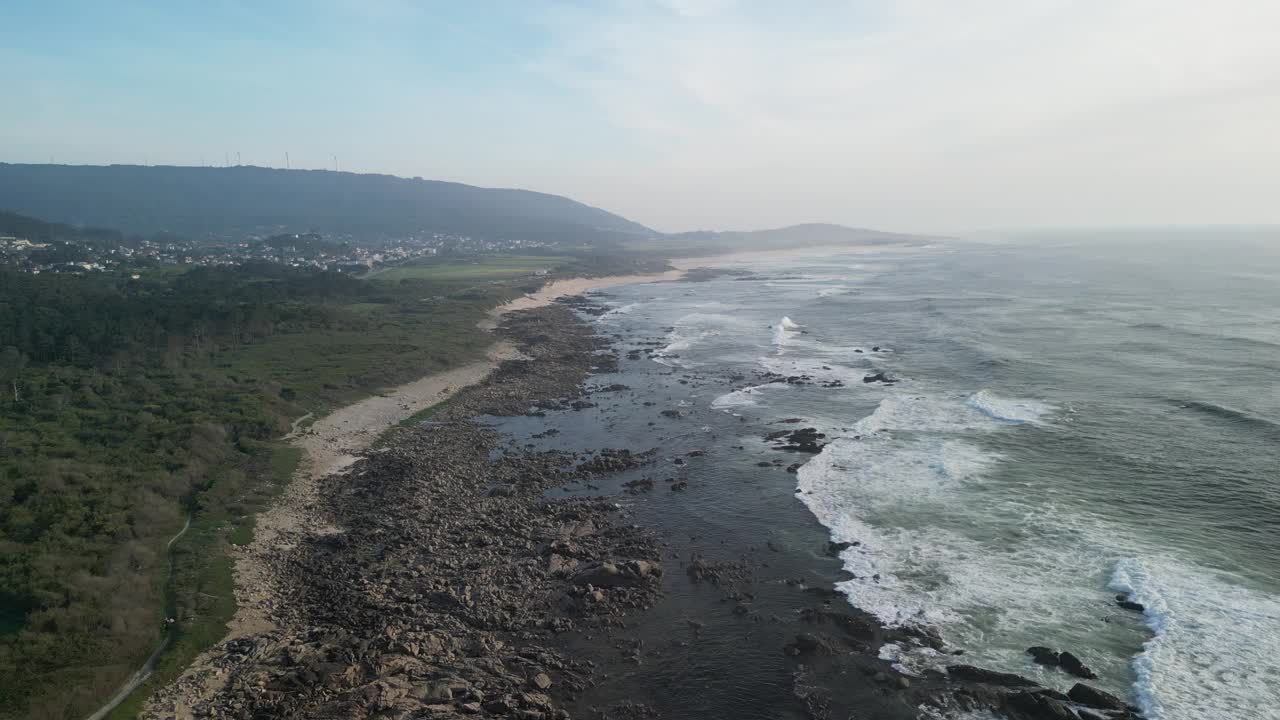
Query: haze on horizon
(912,115)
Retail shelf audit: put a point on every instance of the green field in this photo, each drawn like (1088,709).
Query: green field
(483,268)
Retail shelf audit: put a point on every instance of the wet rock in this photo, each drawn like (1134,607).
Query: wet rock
(835,548)
(969,673)
(1093,697)
(641,485)
(1125,603)
(1075,666)
(808,644)
(1044,656)
(879,377)
(802,440)
(1039,706)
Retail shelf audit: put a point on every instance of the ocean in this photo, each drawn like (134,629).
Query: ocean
(1071,417)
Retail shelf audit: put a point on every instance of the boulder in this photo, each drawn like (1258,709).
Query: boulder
(1040,706)
(608,574)
(1045,656)
(969,673)
(1094,697)
(1127,604)
(1076,666)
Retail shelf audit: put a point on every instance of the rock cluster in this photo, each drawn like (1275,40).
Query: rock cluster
(446,574)
(807,440)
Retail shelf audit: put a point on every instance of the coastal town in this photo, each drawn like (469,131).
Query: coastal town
(341,253)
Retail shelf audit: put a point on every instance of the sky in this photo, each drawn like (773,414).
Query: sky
(909,115)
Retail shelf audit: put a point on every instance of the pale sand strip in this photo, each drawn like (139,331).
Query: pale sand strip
(575,286)
(334,442)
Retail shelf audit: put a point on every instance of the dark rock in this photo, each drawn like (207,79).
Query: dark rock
(802,440)
(970,673)
(809,644)
(1075,666)
(1039,706)
(1044,656)
(835,548)
(1094,697)
(1127,604)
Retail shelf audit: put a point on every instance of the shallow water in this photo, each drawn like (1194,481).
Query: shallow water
(1075,417)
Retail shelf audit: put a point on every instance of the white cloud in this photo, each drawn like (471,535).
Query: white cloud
(932,113)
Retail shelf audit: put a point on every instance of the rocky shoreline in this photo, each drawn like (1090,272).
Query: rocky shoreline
(441,580)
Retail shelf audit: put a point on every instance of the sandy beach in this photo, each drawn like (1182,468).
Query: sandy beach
(577,286)
(334,441)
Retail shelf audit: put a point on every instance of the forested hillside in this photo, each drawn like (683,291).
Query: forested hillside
(211,201)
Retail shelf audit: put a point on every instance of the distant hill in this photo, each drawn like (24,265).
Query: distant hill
(804,235)
(39,231)
(217,202)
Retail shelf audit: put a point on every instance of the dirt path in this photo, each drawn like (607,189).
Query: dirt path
(149,666)
(330,444)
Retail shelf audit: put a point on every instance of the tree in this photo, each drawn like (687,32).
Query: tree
(11,363)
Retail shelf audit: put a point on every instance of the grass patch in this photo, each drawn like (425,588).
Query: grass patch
(486,267)
(424,414)
(202,592)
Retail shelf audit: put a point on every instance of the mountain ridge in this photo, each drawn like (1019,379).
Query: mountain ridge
(233,202)
(212,201)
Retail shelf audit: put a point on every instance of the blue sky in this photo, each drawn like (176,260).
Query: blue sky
(940,115)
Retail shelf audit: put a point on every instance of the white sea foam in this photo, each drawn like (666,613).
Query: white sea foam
(1214,644)
(1008,410)
(998,572)
(784,332)
(690,330)
(831,291)
(819,370)
(745,396)
(622,310)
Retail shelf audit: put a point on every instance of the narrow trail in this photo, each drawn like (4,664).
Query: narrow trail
(149,666)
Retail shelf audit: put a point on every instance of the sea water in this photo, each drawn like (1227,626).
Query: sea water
(1073,417)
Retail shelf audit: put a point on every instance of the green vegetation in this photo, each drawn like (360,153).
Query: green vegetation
(127,406)
(484,267)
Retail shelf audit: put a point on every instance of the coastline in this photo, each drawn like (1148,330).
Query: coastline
(689,263)
(330,444)
(460,571)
